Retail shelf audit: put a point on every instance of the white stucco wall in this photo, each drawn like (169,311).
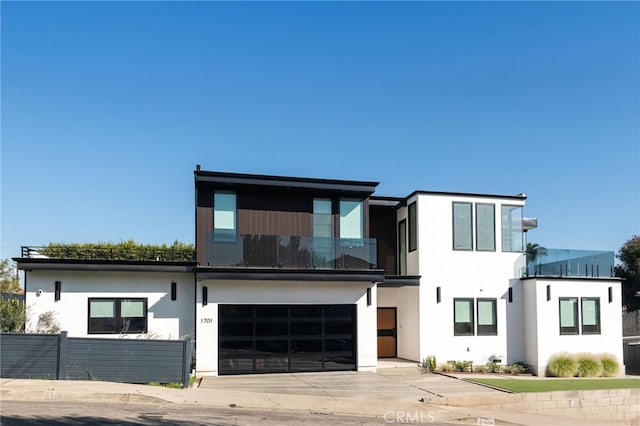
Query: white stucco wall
(406,300)
(461,274)
(547,331)
(166,319)
(283,292)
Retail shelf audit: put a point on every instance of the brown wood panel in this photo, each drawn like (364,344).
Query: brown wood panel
(266,222)
(387,340)
(386,318)
(386,347)
(383,225)
(275,213)
(204,227)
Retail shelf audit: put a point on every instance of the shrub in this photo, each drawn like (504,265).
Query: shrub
(480,369)
(562,365)
(463,366)
(589,365)
(493,367)
(610,366)
(431,363)
(516,368)
(446,367)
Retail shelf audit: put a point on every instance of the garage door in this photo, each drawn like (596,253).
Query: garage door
(286,338)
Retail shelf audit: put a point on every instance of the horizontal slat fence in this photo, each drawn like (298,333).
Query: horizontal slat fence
(79,358)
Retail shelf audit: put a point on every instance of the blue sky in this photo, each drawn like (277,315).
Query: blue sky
(108,106)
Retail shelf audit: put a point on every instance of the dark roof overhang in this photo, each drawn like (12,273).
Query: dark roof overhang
(252,180)
(278,274)
(387,201)
(400,281)
(49,264)
(519,197)
(570,278)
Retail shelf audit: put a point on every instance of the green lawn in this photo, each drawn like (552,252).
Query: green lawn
(548,385)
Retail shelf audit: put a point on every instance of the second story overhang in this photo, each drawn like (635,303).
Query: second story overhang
(286,274)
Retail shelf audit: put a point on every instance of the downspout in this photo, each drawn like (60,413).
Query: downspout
(195,259)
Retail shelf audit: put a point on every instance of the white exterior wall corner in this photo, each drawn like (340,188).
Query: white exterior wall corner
(530,324)
(461,274)
(284,292)
(548,338)
(406,300)
(166,318)
(515,316)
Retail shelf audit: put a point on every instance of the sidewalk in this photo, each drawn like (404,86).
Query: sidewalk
(364,394)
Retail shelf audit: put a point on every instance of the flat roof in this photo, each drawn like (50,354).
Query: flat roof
(244,179)
(520,197)
(54,264)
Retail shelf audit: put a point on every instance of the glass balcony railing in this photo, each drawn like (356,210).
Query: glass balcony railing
(293,252)
(571,263)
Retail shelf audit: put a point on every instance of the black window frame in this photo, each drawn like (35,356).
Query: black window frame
(221,235)
(487,330)
(456,328)
(286,338)
(402,257)
(412,226)
(591,329)
(453,225)
(118,326)
(569,330)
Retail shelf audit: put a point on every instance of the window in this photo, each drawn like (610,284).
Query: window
(224,216)
(351,219)
(512,234)
(462,237)
(463,317)
(402,247)
(568,315)
(322,233)
(590,315)
(485,227)
(487,317)
(486,320)
(413,227)
(112,316)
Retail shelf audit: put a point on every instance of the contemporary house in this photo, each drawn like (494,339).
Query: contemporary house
(300,274)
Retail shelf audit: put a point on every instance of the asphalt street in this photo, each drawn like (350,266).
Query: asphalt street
(21,413)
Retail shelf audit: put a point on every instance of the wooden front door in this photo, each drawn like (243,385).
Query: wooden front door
(387,333)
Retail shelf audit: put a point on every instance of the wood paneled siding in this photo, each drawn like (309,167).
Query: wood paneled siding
(267,211)
(384,230)
(275,213)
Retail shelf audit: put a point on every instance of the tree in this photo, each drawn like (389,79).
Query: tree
(9,282)
(629,269)
(533,251)
(12,312)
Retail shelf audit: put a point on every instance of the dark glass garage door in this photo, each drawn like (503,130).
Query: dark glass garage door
(286,338)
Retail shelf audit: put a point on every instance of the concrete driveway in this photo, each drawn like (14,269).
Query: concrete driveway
(402,386)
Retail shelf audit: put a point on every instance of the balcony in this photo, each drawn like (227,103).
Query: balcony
(571,263)
(290,252)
